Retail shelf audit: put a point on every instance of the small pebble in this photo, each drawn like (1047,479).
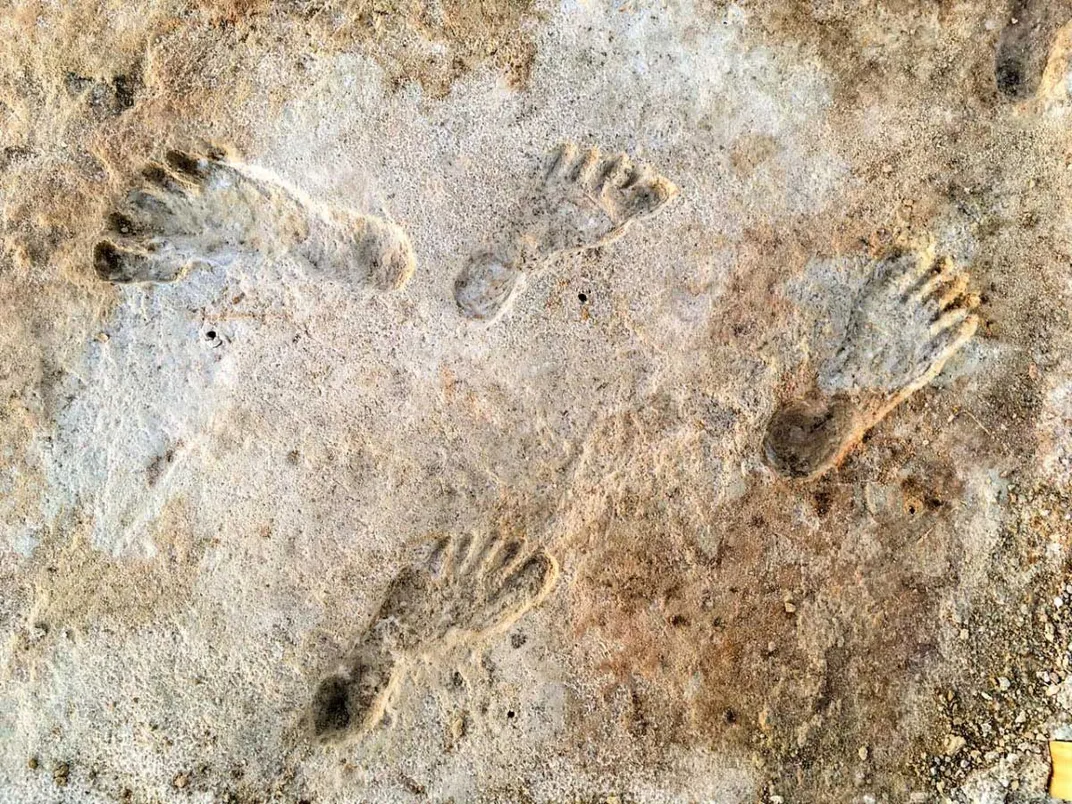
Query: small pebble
(953,744)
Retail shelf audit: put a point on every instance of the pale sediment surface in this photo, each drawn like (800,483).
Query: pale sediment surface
(214,491)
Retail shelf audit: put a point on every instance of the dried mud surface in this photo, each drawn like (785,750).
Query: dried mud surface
(208,488)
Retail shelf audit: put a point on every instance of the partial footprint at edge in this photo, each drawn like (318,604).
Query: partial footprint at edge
(911,316)
(468,589)
(1024,45)
(581,201)
(196,209)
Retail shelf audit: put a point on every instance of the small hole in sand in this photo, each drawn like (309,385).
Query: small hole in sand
(583,297)
(510,713)
(211,334)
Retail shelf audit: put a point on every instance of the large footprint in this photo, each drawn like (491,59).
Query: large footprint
(907,321)
(468,589)
(582,200)
(210,208)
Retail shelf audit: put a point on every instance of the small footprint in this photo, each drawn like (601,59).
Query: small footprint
(210,209)
(469,588)
(906,322)
(583,200)
(1024,45)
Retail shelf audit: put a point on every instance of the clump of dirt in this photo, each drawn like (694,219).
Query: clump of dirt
(789,640)
(1006,692)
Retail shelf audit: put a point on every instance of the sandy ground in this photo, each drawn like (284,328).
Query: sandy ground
(209,487)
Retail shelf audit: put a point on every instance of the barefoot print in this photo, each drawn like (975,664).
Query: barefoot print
(210,209)
(906,322)
(583,200)
(468,589)
(1025,44)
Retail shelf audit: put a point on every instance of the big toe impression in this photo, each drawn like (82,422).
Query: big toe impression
(122,266)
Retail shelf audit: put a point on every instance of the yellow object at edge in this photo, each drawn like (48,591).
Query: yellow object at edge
(1061,780)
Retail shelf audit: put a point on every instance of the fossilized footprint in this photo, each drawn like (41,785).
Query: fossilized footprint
(468,588)
(1025,45)
(209,208)
(581,201)
(910,317)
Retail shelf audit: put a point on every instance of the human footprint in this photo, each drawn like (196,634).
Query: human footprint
(582,200)
(906,322)
(198,209)
(468,589)
(1026,44)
